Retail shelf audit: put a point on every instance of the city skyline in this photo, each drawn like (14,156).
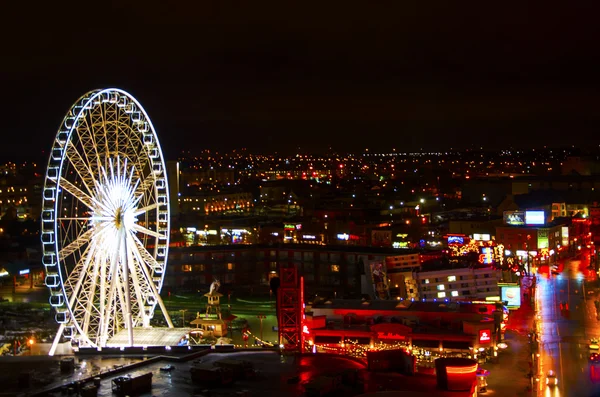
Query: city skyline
(270,77)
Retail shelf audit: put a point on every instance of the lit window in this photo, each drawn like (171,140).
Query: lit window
(441,294)
(441,287)
(335,268)
(186,268)
(426,281)
(451,278)
(454,293)
(230,266)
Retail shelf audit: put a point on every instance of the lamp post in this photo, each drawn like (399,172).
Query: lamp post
(183,317)
(261,317)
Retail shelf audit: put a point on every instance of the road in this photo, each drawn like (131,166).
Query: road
(567,320)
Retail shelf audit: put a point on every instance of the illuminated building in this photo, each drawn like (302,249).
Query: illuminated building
(426,329)
(460,283)
(330,270)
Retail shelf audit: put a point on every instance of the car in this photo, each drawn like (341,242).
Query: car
(594,344)
(595,357)
(551,379)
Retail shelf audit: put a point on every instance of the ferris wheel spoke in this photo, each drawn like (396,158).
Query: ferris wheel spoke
(91,295)
(146,184)
(90,144)
(76,244)
(146,231)
(133,272)
(77,193)
(81,167)
(147,208)
(108,317)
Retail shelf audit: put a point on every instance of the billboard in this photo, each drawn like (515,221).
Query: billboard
(481,237)
(381,238)
(456,240)
(511,294)
(379,279)
(487,256)
(565,236)
(514,217)
(535,218)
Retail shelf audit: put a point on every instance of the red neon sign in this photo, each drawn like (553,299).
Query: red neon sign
(485,336)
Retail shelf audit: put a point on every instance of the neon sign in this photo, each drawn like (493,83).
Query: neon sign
(485,336)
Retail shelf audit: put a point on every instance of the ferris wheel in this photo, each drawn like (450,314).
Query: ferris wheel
(105,220)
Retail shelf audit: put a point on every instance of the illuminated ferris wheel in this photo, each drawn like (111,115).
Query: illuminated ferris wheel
(105,220)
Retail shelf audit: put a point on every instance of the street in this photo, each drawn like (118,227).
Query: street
(567,319)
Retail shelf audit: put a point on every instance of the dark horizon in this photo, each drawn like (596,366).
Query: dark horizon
(274,77)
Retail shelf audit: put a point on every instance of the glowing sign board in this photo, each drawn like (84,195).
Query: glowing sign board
(481,237)
(511,294)
(456,240)
(23,272)
(514,217)
(565,236)
(485,336)
(535,218)
(486,257)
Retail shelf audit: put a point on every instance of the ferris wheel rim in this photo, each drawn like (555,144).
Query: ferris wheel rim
(83,104)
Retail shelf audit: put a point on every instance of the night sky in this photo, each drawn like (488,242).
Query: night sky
(270,76)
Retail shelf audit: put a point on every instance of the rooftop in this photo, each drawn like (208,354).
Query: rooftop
(403,306)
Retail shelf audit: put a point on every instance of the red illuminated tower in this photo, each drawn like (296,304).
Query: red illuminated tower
(290,308)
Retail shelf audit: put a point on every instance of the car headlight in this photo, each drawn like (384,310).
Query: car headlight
(546,380)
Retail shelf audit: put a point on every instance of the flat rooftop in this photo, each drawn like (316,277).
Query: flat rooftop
(403,306)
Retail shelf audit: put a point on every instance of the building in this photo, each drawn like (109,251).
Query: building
(215,201)
(428,330)
(342,271)
(460,283)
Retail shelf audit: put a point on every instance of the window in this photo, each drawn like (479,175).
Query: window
(335,268)
(230,266)
(466,292)
(441,294)
(273,265)
(426,281)
(186,268)
(451,278)
(198,268)
(298,255)
(441,287)
(454,293)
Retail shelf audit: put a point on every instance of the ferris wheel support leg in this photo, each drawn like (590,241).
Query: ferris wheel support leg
(165,312)
(61,329)
(125,257)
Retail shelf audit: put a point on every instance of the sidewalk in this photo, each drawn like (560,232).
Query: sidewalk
(509,374)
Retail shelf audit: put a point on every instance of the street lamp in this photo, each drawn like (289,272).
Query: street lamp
(261,317)
(183,317)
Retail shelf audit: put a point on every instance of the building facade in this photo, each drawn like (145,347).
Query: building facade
(458,284)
